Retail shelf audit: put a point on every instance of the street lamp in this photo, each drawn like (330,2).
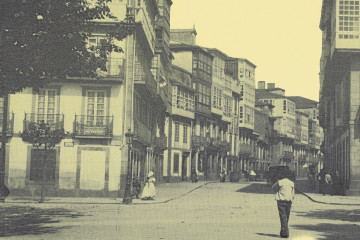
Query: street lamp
(127,196)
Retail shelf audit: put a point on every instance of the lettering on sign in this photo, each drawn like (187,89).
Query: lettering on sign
(94,131)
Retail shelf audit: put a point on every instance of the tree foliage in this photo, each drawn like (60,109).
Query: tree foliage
(42,135)
(46,40)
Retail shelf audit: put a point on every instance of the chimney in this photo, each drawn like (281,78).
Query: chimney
(270,85)
(261,84)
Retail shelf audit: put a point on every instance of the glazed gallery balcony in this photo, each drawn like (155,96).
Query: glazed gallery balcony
(93,126)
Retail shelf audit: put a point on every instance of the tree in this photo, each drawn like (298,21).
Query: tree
(43,136)
(45,40)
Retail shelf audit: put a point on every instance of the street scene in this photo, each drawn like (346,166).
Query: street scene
(211,210)
(179,119)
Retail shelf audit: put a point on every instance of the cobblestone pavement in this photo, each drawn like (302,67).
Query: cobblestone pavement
(245,210)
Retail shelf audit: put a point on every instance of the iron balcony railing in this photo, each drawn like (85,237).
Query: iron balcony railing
(245,149)
(287,155)
(161,142)
(115,68)
(144,76)
(10,124)
(142,132)
(87,125)
(54,121)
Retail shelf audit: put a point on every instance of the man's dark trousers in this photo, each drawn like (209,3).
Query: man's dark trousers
(284,213)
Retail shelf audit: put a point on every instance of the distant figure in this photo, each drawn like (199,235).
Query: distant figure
(328,183)
(321,179)
(285,194)
(336,185)
(136,188)
(194,177)
(149,188)
(223,175)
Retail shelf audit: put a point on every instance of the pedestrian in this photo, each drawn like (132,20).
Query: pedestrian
(321,179)
(328,183)
(149,188)
(194,177)
(285,194)
(336,183)
(223,175)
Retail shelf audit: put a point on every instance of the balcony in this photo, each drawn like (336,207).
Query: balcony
(199,141)
(302,159)
(215,143)
(10,124)
(93,126)
(142,132)
(54,121)
(115,68)
(161,142)
(225,146)
(287,156)
(245,149)
(144,77)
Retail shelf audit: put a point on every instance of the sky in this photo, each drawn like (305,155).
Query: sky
(281,37)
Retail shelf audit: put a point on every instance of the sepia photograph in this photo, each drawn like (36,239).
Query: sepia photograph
(179,119)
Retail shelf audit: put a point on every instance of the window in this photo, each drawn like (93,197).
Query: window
(217,95)
(348,17)
(177,132)
(202,66)
(227,106)
(46,105)
(185,134)
(204,94)
(241,111)
(284,108)
(36,165)
(183,99)
(176,163)
(95,108)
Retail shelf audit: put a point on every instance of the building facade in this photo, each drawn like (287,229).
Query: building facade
(339,90)
(92,159)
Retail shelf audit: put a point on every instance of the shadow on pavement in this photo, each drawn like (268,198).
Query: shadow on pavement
(20,221)
(268,235)
(259,188)
(333,214)
(333,231)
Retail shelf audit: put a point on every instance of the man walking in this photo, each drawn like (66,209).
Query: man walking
(285,194)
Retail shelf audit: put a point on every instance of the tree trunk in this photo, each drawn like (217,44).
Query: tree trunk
(44,157)
(3,146)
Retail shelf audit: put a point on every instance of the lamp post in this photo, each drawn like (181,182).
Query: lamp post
(127,195)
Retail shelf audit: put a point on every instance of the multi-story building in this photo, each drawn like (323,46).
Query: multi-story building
(301,143)
(213,100)
(93,158)
(243,87)
(264,126)
(314,136)
(178,125)
(284,126)
(339,89)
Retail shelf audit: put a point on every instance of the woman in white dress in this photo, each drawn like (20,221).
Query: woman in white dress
(149,188)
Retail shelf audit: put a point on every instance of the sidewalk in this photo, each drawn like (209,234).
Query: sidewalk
(302,186)
(165,192)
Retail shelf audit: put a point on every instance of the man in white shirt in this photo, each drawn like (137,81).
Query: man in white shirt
(285,194)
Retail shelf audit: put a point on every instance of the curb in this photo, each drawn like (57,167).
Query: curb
(113,203)
(327,203)
(174,198)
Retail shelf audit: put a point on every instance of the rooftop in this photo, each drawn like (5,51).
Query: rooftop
(303,103)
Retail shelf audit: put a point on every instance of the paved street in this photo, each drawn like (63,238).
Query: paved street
(202,211)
